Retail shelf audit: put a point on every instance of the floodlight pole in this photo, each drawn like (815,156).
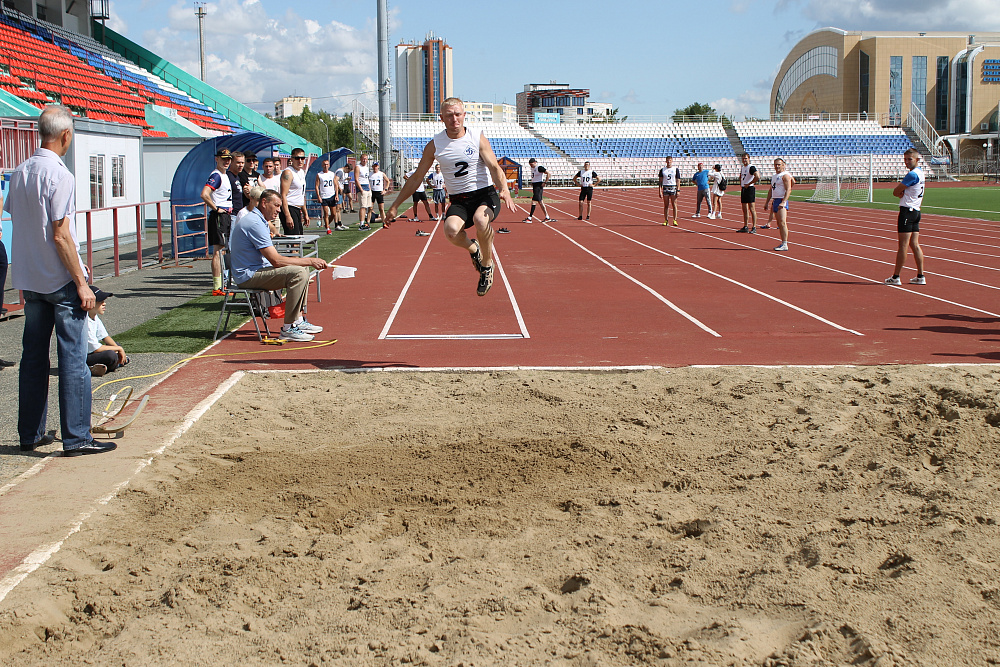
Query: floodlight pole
(384,140)
(199,11)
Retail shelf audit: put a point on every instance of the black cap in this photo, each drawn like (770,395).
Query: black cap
(223,152)
(532,160)
(718,167)
(100,294)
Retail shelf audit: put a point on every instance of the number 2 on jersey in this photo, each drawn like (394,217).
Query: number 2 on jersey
(463,168)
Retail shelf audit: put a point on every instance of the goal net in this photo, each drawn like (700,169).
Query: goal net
(844,178)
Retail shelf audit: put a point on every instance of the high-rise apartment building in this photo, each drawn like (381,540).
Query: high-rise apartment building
(423,76)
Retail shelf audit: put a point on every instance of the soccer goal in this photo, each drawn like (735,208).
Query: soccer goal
(844,178)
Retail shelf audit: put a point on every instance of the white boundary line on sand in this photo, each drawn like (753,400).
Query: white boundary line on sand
(385,335)
(42,554)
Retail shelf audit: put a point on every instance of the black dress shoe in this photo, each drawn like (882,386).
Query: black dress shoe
(93,448)
(45,440)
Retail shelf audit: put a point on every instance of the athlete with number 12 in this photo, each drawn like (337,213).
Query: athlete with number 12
(467,164)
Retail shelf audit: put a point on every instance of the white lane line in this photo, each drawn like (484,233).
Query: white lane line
(649,289)
(406,287)
(792,258)
(42,554)
(385,335)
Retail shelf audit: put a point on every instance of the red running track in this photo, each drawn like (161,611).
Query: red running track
(623,290)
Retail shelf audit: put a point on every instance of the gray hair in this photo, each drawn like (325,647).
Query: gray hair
(54,120)
(267,194)
(256,192)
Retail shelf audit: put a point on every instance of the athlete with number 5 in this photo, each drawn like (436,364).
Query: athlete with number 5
(467,164)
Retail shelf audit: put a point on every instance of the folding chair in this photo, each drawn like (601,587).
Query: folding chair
(241,298)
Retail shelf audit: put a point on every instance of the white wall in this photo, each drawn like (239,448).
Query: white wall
(89,140)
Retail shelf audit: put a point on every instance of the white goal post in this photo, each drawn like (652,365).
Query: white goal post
(844,178)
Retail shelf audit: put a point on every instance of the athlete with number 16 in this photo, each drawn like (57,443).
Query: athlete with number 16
(467,164)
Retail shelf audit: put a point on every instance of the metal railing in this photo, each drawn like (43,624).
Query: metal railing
(116,238)
(922,127)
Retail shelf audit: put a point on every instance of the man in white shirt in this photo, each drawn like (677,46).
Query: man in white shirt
(911,197)
(41,202)
(377,181)
(218,197)
(326,193)
(343,196)
(586,178)
(539,177)
(361,172)
(670,181)
(748,194)
(438,191)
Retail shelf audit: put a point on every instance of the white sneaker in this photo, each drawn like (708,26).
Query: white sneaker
(295,334)
(718,216)
(783,247)
(696,215)
(305,325)
(893,281)
(711,216)
(528,221)
(919,280)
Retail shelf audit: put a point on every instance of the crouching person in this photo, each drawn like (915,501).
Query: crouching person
(103,353)
(256,264)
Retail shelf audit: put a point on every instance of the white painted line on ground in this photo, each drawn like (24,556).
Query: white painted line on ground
(42,554)
(644,286)
(29,473)
(385,335)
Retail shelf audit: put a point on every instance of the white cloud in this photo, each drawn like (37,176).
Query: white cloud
(256,58)
(925,15)
(115,21)
(753,102)
(631,97)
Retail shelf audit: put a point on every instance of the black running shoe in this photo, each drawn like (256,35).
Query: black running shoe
(485,281)
(477,259)
(743,230)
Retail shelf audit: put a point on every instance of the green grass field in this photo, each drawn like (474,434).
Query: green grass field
(971,202)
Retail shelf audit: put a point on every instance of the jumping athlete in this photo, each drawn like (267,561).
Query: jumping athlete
(748,194)
(911,195)
(586,179)
(467,163)
(777,196)
(670,179)
(539,177)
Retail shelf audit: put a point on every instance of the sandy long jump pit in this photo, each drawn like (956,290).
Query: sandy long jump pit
(731,516)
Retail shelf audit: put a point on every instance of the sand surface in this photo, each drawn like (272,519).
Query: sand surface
(734,516)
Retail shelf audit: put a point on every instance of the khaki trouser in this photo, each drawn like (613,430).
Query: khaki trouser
(293,279)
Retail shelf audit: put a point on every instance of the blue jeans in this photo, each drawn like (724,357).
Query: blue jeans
(61,310)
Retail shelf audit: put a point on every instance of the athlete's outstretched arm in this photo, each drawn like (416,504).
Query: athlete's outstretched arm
(426,160)
(499,178)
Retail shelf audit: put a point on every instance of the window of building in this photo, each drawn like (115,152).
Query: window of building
(961,95)
(918,83)
(548,101)
(96,181)
(579,111)
(579,100)
(895,89)
(814,62)
(941,95)
(863,83)
(590,111)
(117,176)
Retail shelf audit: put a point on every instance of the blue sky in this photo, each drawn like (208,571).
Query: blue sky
(645,57)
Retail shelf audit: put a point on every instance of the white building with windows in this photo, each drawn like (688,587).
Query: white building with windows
(572,105)
(291,106)
(491,113)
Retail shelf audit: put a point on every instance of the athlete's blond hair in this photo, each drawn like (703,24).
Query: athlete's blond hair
(453,102)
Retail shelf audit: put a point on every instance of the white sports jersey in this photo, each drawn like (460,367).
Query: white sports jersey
(222,196)
(342,176)
(420,186)
(778,190)
(538,174)
(437,181)
(273,183)
(586,178)
(377,180)
(461,165)
(913,196)
(297,188)
(362,177)
(327,184)
(746,175)
(671,176)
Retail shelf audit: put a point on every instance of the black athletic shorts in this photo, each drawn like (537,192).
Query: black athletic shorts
(536,191)
(219,224)
(420,195)
(748,194)
(586,193)
(330,201)
(908,221)
(293,226)
(378,197)
(466,204)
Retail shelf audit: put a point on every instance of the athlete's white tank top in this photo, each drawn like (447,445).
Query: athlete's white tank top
(461,166)
(363,171)
(778,186)
(913,195)
(537,174)
(420,183)
(377,181)
(222,196)
(746,177)
(586,178)
(437,181)
(669,175)
(327,185)
(297,188)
